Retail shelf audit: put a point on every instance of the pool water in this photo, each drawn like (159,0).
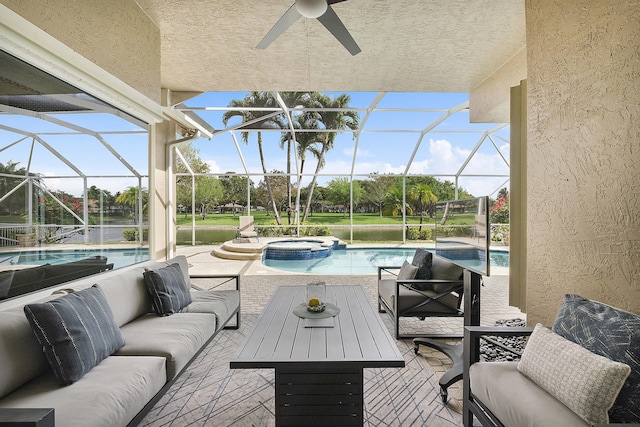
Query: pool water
(119,257)
(362,261)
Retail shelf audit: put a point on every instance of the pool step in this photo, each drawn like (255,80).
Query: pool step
(239,251)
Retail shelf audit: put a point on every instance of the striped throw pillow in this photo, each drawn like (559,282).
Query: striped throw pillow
(169,292)
(76,331)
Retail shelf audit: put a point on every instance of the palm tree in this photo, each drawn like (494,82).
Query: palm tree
(306,142)
(302,120)
(423,198)
(335,118)
(130,198)
(394,202)
(256,99)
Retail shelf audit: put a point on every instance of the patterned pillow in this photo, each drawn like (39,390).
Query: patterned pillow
(169,292)
(422,259)
(76,332)
(585,382)
(407,271)
(609,332)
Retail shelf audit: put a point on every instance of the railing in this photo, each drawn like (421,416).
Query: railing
(25,235)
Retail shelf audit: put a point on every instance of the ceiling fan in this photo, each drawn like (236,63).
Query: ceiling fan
(323,12)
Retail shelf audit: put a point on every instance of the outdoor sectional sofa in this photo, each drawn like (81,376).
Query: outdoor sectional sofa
(123,386)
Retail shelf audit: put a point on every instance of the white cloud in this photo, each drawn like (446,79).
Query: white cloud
(214,167)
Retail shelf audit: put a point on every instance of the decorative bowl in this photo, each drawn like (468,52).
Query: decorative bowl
(317,309)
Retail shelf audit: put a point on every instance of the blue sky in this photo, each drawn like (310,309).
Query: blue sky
(442,152)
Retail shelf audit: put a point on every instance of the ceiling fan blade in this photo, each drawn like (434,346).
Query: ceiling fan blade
(285,21)
(330,2)
(332,22)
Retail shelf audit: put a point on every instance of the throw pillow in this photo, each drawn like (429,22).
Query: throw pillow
(169,292)
(609,332)
(76,332)
(407,271)
(422,259)
(585,382)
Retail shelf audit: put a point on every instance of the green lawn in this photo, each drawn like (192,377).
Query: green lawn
(329,219)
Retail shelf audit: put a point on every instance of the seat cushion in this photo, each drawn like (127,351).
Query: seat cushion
(221,303)
(609,332)
(76,332)
(446,305)
(586,382)
(168,289)
(176,338)
(515,399)
(111,394)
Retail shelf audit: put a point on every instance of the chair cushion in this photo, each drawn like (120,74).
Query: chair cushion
(407,271)
(516,400)
(76,332)
(443,269)
(169,292)
(585,382)
(422,259)
(446,305)
(609,332)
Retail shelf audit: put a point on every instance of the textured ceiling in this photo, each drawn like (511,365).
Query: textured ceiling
(407,45)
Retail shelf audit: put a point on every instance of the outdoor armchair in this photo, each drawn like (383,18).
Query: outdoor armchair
(430,287)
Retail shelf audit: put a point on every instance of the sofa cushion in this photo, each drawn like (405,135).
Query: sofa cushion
(516,400)
(76,332)
(585,382)
(223,304)
(407,271)
(609,332)
(168,289)
(422,259)
(111,394)
(21,357)
(127,295)
(177,338)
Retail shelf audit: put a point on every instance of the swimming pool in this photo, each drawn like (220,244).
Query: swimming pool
(119,257)
(362,261)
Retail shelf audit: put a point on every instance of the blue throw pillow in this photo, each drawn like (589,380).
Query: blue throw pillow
(609,332)
(169,292)
(76,331)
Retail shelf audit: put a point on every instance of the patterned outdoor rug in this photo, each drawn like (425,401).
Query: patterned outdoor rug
(211,394)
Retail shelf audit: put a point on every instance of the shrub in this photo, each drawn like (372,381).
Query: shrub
(132,235)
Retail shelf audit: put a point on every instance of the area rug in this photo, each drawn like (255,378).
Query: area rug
(209,393)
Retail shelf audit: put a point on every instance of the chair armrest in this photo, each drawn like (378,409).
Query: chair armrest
(472,335)
(387,269)
(229,277)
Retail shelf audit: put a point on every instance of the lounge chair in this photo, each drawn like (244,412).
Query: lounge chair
(246,229)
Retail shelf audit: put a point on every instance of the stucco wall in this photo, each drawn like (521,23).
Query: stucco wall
(583,70)
(116,35)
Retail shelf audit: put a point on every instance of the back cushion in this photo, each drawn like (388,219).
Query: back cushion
(444,269)
(609,332)
(127,295)
(21,357)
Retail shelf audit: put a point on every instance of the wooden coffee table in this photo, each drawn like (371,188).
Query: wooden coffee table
(319,370)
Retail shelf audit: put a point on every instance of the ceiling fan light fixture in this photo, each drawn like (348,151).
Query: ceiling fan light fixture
(311,8)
